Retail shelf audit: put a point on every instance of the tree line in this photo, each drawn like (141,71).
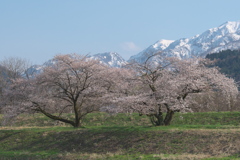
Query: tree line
(79,85)
(228,61)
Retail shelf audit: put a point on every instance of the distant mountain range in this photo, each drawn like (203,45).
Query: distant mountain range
(226,36)
(111,59)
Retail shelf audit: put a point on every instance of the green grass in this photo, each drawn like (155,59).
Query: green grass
(212,135)
(27,155)
(207,118)
(103,119)
(116,143)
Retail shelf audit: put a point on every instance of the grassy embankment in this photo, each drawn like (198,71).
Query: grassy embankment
(191,136)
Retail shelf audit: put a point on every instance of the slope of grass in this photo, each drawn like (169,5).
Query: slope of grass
(65,142)
(104,119)
(191,136)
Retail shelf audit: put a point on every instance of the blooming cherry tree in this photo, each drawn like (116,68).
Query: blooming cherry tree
(155,89)
(73,84)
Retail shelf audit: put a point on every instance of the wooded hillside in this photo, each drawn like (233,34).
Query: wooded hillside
(229,62)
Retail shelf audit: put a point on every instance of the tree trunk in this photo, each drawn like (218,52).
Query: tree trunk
(78,123)
(156,119)
(78,115)
(39,109)
(168,117)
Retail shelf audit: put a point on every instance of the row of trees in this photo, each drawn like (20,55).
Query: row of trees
(228,61)
(78,85)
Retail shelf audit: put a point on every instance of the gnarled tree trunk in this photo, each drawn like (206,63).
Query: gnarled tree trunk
(157,119)
(168,117)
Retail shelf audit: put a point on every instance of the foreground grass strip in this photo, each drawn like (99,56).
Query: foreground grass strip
(27,154)
(127,140)
(104,119)
(124,137)
(116,156)
(119,156)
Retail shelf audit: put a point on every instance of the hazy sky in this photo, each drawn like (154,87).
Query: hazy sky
(37,30)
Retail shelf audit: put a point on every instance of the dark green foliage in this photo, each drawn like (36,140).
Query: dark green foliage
(228,61)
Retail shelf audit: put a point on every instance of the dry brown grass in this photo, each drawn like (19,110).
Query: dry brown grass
(186,156)
(22,127)
(117,155)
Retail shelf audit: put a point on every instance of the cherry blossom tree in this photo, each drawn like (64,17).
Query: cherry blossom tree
(3,83)
(16,67)
(73,84)
(155,89)
(11,69)
(80,85)
(3,78)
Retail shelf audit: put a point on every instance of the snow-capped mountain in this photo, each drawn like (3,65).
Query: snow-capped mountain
(111,59)
(226,36)
(36,69)
(159,46)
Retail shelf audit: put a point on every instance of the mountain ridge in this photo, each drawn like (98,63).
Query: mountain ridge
(111,59)
(226,36)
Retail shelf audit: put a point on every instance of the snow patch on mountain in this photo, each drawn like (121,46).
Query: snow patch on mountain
(226,36)
(111,59)
(156,47)
(37,69)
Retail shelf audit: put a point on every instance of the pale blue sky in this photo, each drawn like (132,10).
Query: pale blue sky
(37,30)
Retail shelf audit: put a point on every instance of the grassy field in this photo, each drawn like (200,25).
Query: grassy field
(191,136)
